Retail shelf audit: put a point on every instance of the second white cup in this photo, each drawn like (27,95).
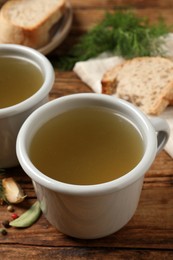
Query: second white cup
(13,116)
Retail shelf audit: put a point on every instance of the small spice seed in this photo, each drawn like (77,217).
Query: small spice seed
(14,216)
(3,231)
(10,208)
(5,223)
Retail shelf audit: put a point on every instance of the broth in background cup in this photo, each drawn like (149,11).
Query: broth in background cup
(26,78)
(78,203)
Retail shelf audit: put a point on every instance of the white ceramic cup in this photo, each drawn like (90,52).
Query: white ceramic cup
(91,211)
(11,118)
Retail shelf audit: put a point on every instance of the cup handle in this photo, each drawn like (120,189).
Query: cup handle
(163,131)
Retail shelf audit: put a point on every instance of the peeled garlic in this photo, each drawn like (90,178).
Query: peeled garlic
(12,191)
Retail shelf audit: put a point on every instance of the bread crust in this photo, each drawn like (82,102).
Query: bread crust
(147,82)
(109,80)
(32,35)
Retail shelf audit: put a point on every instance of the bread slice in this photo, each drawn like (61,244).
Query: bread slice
(147,82)
(28,22)
(109,80)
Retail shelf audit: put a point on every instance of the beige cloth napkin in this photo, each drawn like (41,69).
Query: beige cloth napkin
(91,72)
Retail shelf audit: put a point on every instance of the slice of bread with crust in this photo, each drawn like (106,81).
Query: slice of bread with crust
(109,80)
(147,82)
(28,22)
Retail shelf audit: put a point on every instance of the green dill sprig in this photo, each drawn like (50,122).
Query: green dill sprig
(121,33)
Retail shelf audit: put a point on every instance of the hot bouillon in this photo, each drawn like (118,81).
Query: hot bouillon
(19,79)
(86,146)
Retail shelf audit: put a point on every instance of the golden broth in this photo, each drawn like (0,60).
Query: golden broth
(19,79)
(86,146)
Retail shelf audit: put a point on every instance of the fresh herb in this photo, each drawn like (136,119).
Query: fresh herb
(122,33)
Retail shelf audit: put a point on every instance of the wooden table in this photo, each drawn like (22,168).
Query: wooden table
(149,234)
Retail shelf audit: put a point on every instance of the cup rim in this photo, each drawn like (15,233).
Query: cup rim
(86,190)
(44,88)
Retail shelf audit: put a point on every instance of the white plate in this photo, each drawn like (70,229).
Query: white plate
(59,32)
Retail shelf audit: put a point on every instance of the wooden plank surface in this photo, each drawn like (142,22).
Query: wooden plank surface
(149,234)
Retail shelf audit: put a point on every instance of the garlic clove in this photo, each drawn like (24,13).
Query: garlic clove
(12,190)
